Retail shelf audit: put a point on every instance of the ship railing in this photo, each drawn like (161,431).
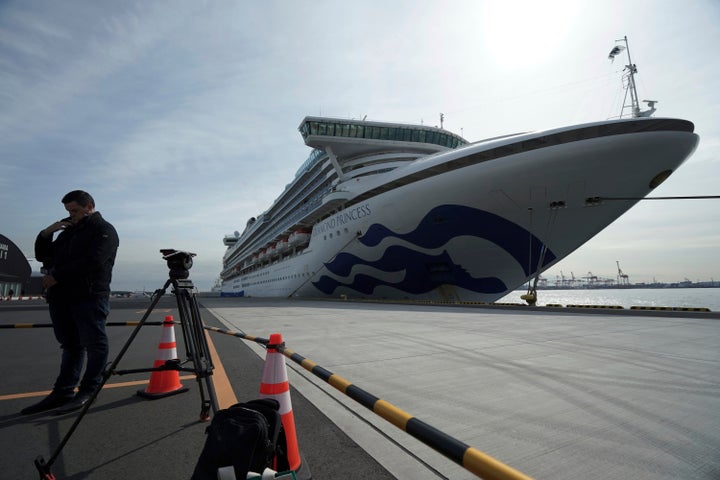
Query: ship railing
(262,220)
(285,227)
(309,211)
(391,159)
(298,190)
(288,223)
(291,207)
(300,196)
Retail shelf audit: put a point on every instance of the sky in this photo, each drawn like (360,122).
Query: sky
(180,116)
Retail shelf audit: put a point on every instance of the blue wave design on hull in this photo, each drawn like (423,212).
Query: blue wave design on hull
(423,273)
(233,294)
(426,272)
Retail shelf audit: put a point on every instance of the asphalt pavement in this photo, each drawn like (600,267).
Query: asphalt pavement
(124,436)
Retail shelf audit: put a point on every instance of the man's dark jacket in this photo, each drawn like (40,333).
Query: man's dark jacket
(81,258)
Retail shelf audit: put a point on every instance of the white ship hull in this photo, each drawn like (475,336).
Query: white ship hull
(473,224)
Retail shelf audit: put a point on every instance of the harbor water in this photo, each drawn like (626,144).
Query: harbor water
(627,297)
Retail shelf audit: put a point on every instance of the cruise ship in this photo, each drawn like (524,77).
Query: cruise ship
(399,211)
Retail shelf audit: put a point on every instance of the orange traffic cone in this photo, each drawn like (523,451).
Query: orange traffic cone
(274,384)
(164,382)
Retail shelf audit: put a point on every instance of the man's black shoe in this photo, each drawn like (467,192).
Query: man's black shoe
(76,404)
(54,400)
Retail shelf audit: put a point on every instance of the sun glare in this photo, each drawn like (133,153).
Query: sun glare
(519,33)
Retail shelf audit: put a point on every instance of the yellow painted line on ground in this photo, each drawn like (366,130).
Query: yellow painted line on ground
(134,383)
(223,390)
(225,394)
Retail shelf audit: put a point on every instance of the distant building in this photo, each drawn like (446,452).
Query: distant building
(16,276)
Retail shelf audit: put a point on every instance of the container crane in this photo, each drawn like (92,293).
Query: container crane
(622,279)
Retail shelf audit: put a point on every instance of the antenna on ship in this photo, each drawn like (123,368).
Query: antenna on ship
(631,70)
(442,118)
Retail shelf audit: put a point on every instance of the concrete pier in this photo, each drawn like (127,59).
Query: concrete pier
(552,393)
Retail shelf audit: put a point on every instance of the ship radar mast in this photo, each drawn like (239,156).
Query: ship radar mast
(629,83)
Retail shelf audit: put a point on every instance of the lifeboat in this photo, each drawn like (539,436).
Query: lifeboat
(270,250)
(299,237)
(283,245)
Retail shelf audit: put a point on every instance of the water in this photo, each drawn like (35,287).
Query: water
(640,297)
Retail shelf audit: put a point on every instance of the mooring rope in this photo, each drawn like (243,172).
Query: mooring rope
(694,197)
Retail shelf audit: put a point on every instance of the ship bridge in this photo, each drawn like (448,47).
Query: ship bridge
(351,138)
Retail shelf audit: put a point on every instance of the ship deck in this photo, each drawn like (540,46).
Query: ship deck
(553,393)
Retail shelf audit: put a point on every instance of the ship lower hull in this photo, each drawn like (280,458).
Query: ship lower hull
(473,233)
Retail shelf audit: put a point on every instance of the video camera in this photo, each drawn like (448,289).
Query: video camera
(178,261)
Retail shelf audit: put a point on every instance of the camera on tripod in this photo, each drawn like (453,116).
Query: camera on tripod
(178,261)
(196,347)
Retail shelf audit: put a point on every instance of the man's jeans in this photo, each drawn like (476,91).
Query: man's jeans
(79,326)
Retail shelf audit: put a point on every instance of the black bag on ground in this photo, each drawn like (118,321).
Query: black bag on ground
(247,436)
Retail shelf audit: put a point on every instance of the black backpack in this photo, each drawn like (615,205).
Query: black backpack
(249,436)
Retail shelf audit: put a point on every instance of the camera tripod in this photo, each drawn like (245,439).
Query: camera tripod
(196,348)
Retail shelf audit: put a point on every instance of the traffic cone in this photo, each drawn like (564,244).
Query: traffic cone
(274,384)
(164,383)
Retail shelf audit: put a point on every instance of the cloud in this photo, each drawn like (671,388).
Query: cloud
(181,116)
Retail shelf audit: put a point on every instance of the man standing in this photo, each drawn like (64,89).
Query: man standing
(78,265)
